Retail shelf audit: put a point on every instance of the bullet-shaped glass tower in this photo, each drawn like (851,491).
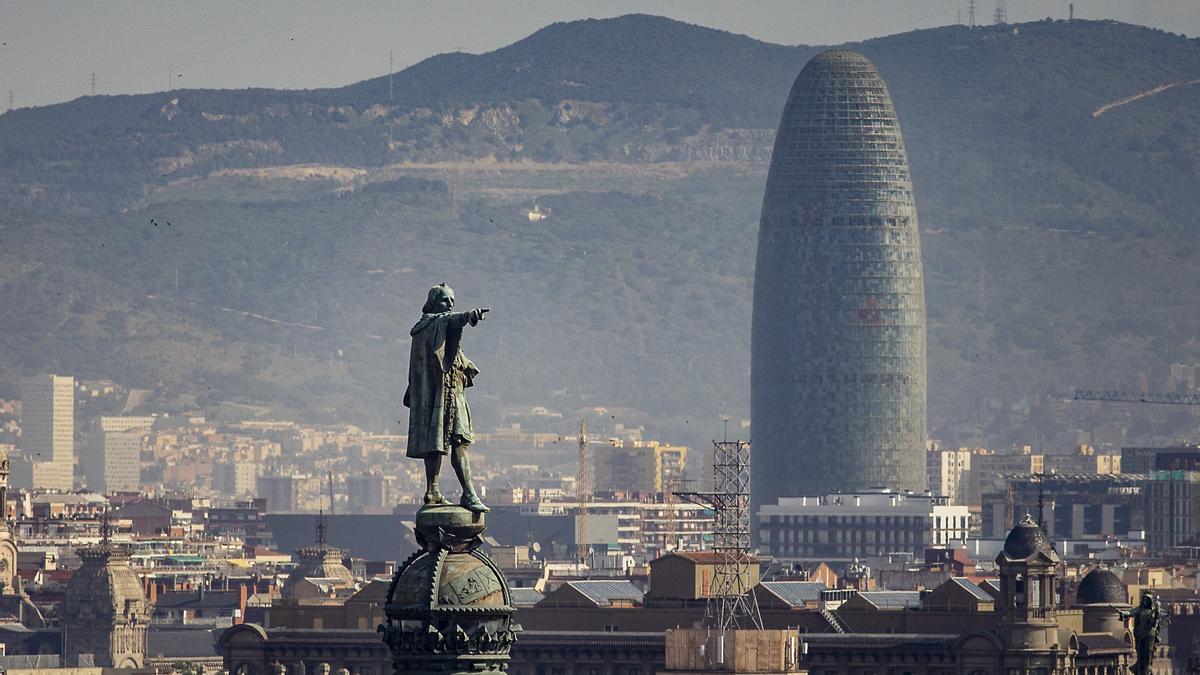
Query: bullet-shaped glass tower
(838,347)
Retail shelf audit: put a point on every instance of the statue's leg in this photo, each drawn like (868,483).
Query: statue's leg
(433,468)
(462,469)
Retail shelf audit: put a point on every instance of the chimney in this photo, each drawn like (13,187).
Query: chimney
(241,603)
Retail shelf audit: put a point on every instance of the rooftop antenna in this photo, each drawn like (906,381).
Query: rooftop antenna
(321,528)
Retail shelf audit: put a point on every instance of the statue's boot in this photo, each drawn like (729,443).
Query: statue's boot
(433,497)
(471,502)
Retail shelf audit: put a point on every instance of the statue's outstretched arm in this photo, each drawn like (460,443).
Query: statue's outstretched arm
(474,316)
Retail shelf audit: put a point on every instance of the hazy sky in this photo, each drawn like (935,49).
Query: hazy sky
(51,48)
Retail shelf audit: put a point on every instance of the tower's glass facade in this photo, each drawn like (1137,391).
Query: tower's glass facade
(838,365)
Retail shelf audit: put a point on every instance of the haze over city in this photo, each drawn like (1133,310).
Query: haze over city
(600,338)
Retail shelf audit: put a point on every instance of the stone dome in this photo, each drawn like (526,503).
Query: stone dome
(105,588)
(1026,539)
(1101,587)
(318,562)
(436,581)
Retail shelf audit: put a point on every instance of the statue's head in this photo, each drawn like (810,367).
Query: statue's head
(1147,601)
(441,299)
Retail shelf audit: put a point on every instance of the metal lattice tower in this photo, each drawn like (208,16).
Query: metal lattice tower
(971,13)
(731,603)
(1000,16)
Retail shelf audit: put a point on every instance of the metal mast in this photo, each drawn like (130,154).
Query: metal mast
(584,493)
(1000,16)
(730,605)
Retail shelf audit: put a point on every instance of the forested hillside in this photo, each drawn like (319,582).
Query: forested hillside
(274,246)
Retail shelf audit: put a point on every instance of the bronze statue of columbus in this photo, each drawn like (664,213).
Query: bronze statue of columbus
(439,421)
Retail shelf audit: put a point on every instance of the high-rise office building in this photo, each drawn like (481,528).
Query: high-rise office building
(838,335)
(369,493)
(281,492)
(111,461)
(48,431)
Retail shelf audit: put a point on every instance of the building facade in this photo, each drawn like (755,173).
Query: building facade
(635,467)
(105,614)
(111,461)
(1096,506)
(48,430)
(838,397)
(859,525)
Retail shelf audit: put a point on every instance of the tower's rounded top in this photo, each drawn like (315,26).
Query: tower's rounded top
(841,57)
(1101,587)
(1026,539)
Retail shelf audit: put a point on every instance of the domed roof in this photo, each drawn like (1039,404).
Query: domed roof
(318,562)
(437,581)
(1101,587)
(1026,539)
(105,587)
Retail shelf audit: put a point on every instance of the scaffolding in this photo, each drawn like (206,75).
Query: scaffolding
(731,604)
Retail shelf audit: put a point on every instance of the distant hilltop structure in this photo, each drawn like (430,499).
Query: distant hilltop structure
(838,345)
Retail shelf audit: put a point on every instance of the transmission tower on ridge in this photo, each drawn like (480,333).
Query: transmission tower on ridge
(731,604)
(1000,17)
(583,489)
(971,13)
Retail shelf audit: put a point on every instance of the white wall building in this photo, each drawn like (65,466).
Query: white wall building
(48,430)
(111,462)
(859,525)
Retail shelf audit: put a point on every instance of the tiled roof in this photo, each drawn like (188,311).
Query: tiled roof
(525,597)
(893,599)
(974,590)
(795,593)
(603,593)
(181,642)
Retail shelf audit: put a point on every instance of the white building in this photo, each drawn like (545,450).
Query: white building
(111,462)
(859,525)
(236,479)
(949,473)
(48,431)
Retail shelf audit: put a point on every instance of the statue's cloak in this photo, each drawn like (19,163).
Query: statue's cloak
(438,373)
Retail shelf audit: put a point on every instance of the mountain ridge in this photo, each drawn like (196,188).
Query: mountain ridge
(1046,229)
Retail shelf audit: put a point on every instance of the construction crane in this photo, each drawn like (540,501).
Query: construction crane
(1113,396)
(584,493)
